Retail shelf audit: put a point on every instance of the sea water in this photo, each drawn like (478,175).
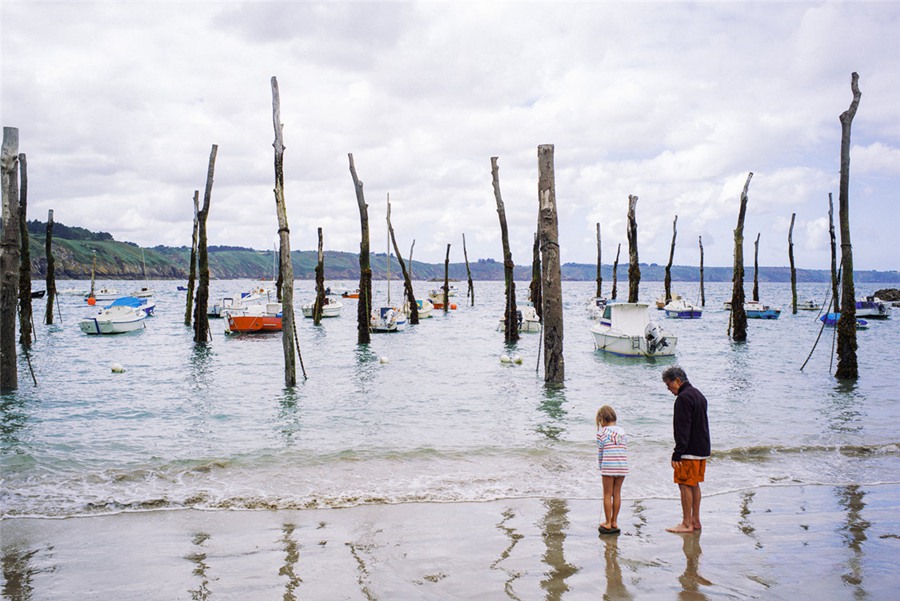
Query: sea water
(431,414)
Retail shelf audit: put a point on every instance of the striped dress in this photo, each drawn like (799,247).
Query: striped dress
(612,452)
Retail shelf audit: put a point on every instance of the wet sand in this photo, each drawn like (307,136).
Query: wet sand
(789,542)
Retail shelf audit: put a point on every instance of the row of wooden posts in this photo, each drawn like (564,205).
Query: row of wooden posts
(545,288)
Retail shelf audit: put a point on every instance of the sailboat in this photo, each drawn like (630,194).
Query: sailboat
(103,294)
(146,291)
(388,318)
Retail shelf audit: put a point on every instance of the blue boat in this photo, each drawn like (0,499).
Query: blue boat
(144,304)
(757,310)
(831,319)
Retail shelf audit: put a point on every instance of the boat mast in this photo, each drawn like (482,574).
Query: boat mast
(389,249)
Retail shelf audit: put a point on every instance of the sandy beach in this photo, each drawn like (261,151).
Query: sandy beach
(782,542)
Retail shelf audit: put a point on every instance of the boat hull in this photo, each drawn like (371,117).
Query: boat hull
(331,309)
(117,320)
(247,324)
(630,346)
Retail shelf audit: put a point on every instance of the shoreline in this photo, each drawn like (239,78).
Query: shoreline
(782,542)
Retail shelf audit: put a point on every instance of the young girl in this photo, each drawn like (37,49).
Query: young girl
(613,459)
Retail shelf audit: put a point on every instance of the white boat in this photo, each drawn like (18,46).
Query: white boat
(873,308)
(809,305)
(144,304)
(436,296)
(727,305)
(104,294)
(239,302)
(331,308)
(114,320)
(625,329)
(146,291)
(424,308)
(265,317)
(595,306)
(681,308)
(757,310)
(387,319)
(526,317)
(661,300)
(337,289)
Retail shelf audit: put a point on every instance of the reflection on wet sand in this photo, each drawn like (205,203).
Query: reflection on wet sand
(291,556)
(691,580)
(615,587)
(514,538)
(554,527)
(553,406)
(744,523)
(851,499)
(17,575)
(198,557)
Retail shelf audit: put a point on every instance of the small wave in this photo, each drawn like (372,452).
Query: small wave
(766,451)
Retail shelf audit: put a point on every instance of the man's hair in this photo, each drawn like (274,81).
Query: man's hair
(673,373)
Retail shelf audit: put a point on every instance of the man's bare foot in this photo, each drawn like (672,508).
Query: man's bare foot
(697,527)
(680,529)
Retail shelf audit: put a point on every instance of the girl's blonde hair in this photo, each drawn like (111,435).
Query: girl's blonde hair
(605,414)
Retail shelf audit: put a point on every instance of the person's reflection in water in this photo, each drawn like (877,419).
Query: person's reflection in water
(615,588)
(691,579)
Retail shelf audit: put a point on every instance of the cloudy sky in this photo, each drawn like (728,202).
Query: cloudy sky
(118,104)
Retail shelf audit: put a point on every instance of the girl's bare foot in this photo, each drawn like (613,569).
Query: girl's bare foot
(680,529)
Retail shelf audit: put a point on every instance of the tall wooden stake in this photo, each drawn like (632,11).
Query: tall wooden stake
(25,313)
(756,269)
(51,269)
(634,268)
(470,292)
(9,259)
(320,281)
(551,280)
(737,323)
(447,280)
(407,281)
(284,237)
(201,318)
(599,293)
(615,273)
(835,294)
(192,270)
(702,292)
(534,290)
(510,319)
(793,269)
(847,367)
(364,306)
(668,278)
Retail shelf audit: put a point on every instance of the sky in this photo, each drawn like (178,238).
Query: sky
(119,103)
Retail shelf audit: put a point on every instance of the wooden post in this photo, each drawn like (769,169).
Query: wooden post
(51,269)
(364,306)
(9,259)
(201,318)
(407,281)
(286,266)
(551,280)
(702,292)
(847,367)
(93,270)
(192,271)
(634,268)
(793,269)
(25,312)
(320,281)
(756,269)
(599,293)
(668,278)
(615,273)
(534,290)
(447,280)
(835,293)
(510,319)
(411,247)
(470,292)
(737,323)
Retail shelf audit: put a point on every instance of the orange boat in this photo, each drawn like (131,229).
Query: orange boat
(349,294)
(437,299)
(255,318)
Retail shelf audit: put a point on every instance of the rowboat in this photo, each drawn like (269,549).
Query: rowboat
(114,320)
(625,329)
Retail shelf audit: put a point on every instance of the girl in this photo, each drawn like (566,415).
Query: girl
(613,461)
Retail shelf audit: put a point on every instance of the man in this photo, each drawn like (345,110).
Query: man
(692,447)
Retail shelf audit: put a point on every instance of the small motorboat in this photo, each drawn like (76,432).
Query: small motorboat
(526,318)
(873,308)
(350,293)
(104,294)
(38,293)
(114,320)
(757,310)
(682,309)
(625,329)
(831,320)
(436,297)
(661,300)
(387,319)
(254,318)
(423,307)
(809,305)
(144,304)
(331,308)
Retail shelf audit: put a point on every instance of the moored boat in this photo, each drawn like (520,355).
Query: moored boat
(625,329)
(423,307)
(386,320)
(831,320)
(661,301)
(436,296)
(254,318)
(526,318)
(757,310)
(114,320)
(681,308)
(330,308)
(809,305)
(144,304)
(104,294)
(873,308)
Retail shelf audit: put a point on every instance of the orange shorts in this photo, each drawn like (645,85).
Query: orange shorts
(690,472)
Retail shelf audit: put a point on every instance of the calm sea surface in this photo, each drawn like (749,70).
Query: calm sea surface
(430,414)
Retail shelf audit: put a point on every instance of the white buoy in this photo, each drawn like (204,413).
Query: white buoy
(117,368)
(518,360)
(505,359)
(383,359)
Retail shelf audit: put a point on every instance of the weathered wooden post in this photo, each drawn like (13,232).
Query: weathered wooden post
(551,280)
(702,292)
(201,317)
(599,293)
(192,271)
(756,269)
(510,319)
(364,306)
(25,312)
(51,269)
(407,281)
(737,323)
(534,290)
(447,280)
(835,293)
(9,259)
(470,292)
(615,272)
(847,367)
(793,269)
(320,280)
(634,268)
(668,278)
(284,237)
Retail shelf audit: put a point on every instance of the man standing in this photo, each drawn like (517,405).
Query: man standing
(692,446)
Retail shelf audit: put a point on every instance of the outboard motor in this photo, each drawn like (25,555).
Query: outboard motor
(654,337)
